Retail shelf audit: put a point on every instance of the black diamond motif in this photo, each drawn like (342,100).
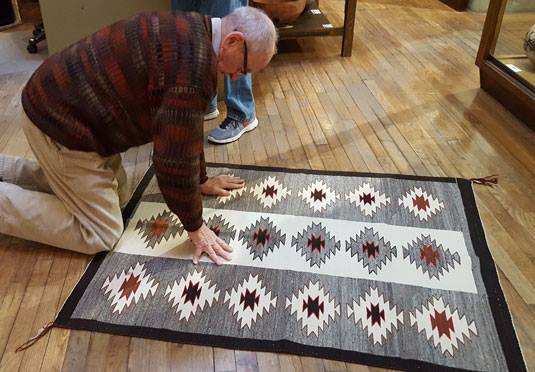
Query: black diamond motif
(367,198)
(316,244)
(318,195)
(191,293)
(269,191)
(370,248)
(376,313)
(262,237)
(249,299)
(221,227)
(313,306)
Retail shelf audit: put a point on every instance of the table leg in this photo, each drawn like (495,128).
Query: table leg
(349,27)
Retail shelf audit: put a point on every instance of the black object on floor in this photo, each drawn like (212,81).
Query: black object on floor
(38,36)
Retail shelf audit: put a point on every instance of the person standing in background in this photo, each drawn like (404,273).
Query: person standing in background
(241,113)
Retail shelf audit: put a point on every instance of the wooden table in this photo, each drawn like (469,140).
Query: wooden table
(313,22)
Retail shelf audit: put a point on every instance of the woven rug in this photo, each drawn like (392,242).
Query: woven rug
(385,270)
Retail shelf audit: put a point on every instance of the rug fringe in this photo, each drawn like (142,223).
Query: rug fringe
(486,181)
(43,331)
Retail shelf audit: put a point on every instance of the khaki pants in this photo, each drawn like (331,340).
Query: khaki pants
(69,199)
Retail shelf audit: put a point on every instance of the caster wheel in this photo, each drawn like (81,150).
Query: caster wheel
(32,48)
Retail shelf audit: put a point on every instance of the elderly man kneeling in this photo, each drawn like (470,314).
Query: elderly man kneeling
(145,79)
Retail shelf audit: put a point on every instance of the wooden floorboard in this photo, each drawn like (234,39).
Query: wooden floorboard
(407,101)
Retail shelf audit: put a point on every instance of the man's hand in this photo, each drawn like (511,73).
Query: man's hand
(219,185)
(206,241)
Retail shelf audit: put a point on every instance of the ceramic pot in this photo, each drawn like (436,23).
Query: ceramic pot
(281,11)
(529,44)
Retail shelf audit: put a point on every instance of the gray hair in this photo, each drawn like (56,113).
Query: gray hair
(258,29)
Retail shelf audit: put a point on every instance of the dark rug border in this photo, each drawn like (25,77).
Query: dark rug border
(335,173)
(280,346)
(499,308)
(498,304)
(128,210)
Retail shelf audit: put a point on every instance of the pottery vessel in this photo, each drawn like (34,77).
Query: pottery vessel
(281,11)
(529,44)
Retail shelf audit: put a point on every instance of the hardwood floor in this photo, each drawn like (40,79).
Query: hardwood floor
(407,101)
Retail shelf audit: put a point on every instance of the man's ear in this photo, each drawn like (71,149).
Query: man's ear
(232,39)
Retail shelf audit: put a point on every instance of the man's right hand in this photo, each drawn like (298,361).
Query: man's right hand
(206,241)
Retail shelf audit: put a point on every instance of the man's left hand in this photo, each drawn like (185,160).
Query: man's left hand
(219,185)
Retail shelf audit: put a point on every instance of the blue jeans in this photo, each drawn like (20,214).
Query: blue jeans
(238,93)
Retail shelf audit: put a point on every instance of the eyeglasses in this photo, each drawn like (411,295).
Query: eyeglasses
(244,70)
(244,67)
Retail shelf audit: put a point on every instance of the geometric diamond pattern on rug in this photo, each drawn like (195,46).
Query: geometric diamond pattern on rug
(364,280)
(192,292)
(432,258)
(163,226)
(128,287)
(261,238)
(445,327)
(367,199)
(318,195)
(371,250)
(420,203)
(374,314)
(270,191)
(316,244)
(221,227)
(233,194)
(249,301)
(313,307)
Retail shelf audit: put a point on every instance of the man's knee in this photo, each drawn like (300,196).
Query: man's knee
(103,239)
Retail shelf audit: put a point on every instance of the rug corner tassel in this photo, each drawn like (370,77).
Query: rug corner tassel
(42,331)
(486,181)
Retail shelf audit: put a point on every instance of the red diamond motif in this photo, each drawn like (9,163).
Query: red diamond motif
(420,202)
(130,286)
(442,323)
(429,254)
(159,227)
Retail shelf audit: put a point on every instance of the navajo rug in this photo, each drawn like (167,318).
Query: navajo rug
(386,270)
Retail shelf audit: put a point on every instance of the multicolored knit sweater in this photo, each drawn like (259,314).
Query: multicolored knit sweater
(147,78)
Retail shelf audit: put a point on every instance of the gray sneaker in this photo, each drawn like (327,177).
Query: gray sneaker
(230,130)
(211,115)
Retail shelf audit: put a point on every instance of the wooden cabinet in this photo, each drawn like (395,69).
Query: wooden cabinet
(505,71)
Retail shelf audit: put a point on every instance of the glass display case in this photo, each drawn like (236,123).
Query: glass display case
(506,56)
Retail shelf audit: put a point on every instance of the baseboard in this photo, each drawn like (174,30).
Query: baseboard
(5,27)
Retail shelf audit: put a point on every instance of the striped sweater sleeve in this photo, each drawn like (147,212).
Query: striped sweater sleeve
(203,176)
(178,152)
